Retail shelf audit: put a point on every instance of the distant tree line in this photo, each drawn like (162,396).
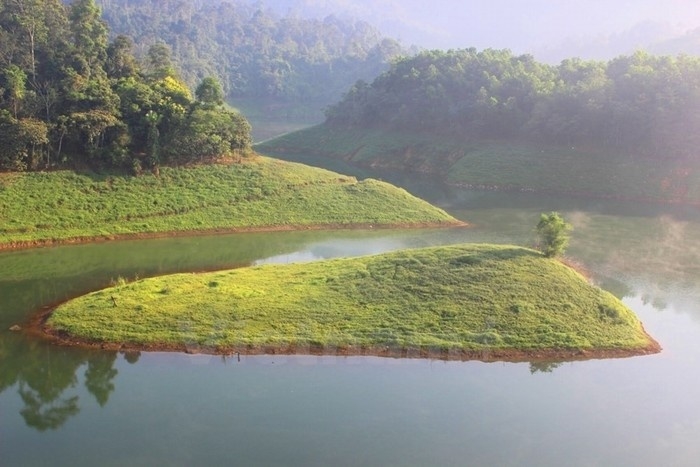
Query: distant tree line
(254,52)
(70,96)
(639,104)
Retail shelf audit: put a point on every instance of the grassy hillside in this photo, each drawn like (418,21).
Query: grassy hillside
(500,165)
(258,193)
(464,301)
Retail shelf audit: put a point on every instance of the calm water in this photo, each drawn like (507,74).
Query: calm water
(63,406)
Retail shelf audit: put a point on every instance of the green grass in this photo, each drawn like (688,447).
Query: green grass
(258,193)
(502,165)
(462,298)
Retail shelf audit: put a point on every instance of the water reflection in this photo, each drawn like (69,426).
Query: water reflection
(616,287)
(544,367)
(46,379)
(651,260)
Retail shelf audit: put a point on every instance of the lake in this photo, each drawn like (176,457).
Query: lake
(63,406)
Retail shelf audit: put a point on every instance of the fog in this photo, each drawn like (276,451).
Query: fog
(549,29)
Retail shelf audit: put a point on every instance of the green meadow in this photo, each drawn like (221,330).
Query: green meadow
(257,193)
(456,299)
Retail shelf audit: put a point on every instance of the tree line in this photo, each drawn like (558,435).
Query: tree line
(70,96)
(254,52)
(639,104)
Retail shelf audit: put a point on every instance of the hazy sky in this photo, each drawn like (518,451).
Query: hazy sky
(537,26)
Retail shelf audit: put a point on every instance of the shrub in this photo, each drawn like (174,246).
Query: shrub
(553,234)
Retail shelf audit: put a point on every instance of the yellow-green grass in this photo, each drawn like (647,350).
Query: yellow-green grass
(501,164)
(465,301)
(257,193)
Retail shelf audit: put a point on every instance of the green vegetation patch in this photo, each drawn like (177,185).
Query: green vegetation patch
(462,299)
(257,193)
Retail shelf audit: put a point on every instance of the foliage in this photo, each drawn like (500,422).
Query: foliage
(253,52)
(445,299)
(257,193)
(209,92)
(553,234)
(24,143)
(640,104)
(68,96)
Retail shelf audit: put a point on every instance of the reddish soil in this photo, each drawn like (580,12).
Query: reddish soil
(489,355)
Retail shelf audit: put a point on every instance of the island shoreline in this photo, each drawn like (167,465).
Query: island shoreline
(37,327)
(484,355)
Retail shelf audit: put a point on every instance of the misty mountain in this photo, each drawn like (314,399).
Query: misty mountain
(550,30)
(643,36)
(688,43)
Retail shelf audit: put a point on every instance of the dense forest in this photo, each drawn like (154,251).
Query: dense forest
(71,92)
(254,52)
(639,104)
(69,96)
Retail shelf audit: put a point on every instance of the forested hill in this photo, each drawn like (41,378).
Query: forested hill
(253,51)
(71,97)
(640,104)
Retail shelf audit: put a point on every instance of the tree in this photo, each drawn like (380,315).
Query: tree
(90,37)
(206,134)
(120,59)
(15,81)
(159,64)
(24,142)
(209,93)
(553,234)
(152,139)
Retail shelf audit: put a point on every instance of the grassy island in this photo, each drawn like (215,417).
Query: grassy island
(468,301)
(256,193)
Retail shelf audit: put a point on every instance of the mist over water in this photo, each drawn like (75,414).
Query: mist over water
(310,410)
(70,406)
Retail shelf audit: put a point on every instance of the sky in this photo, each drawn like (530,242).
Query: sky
(550,29)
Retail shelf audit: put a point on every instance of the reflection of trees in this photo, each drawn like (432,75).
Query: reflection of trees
(656,302)
(99,375)
(7,378)
(45,414)
(616,287)
(132,356)
(543,367)
(45,375)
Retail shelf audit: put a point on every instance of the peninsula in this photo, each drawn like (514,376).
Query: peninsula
(254,193)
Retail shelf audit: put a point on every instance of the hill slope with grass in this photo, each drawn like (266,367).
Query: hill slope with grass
(465,301)
(256,193)
(492,164)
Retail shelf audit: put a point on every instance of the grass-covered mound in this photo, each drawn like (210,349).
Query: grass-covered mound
(499,165)
(469,301)
(257,193)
